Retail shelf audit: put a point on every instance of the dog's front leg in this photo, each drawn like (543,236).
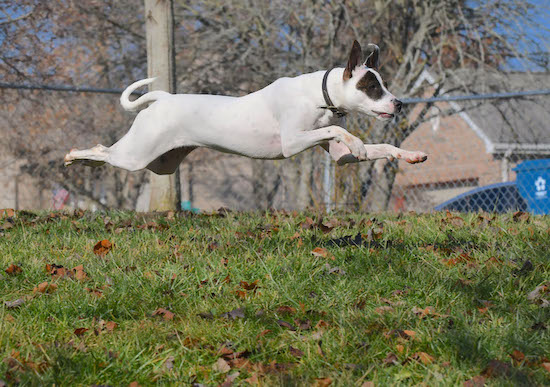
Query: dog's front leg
(294,142)
(342,155)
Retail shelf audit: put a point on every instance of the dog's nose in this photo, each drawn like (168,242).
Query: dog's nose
(398,105)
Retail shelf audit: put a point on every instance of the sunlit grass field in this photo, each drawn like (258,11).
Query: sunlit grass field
(274,298)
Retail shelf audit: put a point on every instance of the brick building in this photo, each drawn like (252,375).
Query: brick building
(477,146)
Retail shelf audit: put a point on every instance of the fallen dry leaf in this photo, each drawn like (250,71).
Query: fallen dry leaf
(286,309)
(322,382)
(228,382)
(391,359)
(536,296)
(295,352)
(166,314)
(101,248)
(323,253)
(546,366)
(249,286)
(14,304)
(7,213)
(13,270)
(520,216)
(285,324)
(423,357)
(80,331)
(517,356)
(79,273)
(476,381)
(221,366)
(45,287)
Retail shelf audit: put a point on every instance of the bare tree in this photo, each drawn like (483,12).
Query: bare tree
(238,46)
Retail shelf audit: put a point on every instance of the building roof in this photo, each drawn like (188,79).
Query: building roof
(517,125)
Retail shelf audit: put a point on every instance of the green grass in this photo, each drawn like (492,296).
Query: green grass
(353,309)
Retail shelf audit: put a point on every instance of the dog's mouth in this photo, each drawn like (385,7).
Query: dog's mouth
(384,115)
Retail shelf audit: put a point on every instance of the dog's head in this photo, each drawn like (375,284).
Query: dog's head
(364,89)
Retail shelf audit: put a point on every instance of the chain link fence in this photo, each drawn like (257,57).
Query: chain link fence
(469,167)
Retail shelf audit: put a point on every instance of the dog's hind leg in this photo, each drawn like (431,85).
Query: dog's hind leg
(93,157)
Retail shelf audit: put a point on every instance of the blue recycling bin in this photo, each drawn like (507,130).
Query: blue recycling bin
(533,179)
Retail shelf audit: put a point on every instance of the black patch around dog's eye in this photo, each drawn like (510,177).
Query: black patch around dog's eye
(369,85)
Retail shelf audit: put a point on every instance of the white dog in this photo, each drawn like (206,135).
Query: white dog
(279,121)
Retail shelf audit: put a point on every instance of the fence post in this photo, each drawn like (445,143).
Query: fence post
(159,26)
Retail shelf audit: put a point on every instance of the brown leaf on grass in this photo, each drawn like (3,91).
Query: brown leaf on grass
(398,333)
(546,366)
(295,352)
(80,331)
(253,380)
(368,384)
(520,216)
(94,291)
(456,221)
(423,357)
(101,248)
(307,224)
(263,333)
(326,226)
(517,356)
(323,253)
(7,213)
(322,382)
(536,296)
(166,314)
(249,286)
(13,270)
(285,324)
(285,309)
(45,287)
(422,313)
(476,381)
(79,273)
(303,324)
(221,366)
(134,384)
(14,304)
(108,326)
(228,382)
(391,359)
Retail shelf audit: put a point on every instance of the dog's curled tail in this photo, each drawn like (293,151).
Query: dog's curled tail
(148,97)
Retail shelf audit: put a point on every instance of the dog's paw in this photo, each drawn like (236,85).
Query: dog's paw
(414,157)
(357,148)
(68,159)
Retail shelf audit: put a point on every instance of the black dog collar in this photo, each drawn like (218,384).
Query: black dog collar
(330,106)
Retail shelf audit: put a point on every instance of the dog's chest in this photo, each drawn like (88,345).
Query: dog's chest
(328,118)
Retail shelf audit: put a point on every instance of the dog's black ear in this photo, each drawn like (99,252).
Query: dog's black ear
(373,52)
(355,58)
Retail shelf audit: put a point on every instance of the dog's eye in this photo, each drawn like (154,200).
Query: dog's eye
(373,86)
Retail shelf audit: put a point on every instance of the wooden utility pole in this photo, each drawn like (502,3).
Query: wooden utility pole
(159,26)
